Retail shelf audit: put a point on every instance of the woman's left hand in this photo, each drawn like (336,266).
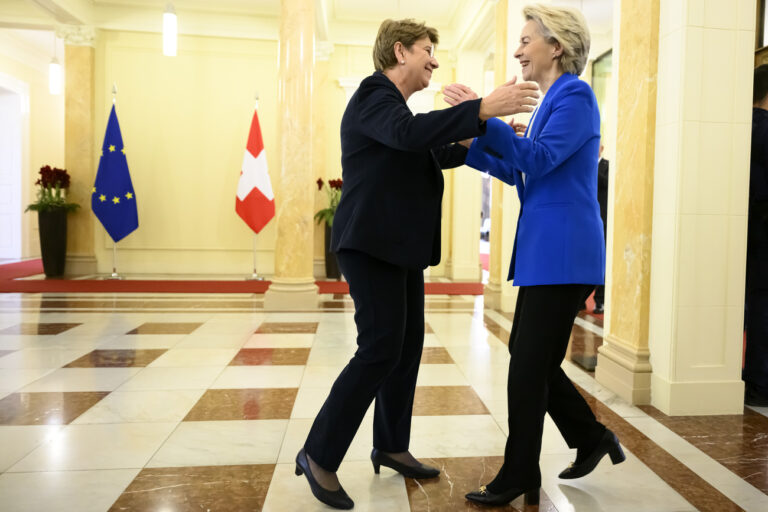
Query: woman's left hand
(458,93)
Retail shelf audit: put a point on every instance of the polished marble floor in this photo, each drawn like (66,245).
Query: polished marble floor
(171,402)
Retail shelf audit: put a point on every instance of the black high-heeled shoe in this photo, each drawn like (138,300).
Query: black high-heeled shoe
(336,499)
(380,458)
(486,497)
(609,444)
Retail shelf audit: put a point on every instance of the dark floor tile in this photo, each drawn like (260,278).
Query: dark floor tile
(46,408)
(738,442)
(697,491)
(496,329)
(116,358)
(165,328)
(188,489)
(288,327)
(271,356)
(447,401)
(244,404)
(38,328)
(436,355)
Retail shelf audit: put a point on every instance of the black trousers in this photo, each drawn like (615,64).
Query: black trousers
(537,385)
(389,313)
(755,372)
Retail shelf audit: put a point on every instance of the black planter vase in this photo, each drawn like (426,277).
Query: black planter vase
(53,240)
(331,265)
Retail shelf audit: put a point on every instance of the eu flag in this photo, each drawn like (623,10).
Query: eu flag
(113,199)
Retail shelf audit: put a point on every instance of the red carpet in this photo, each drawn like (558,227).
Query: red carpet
(20,269)
(10,273)
(485,261)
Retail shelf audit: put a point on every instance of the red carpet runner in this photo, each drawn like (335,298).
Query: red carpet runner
(10,273)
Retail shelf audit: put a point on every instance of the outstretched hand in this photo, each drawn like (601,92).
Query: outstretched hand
(509,99)
(458,93)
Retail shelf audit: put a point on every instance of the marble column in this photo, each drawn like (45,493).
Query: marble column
(623,359)
(492,293)
(505,196)
(467,189)
(293,285)
(701,185)
(79,140)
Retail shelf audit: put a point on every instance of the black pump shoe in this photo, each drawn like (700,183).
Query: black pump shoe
(609,444)
(486,497)
(380,458)
(336,499)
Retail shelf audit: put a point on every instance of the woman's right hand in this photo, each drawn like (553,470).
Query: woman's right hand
(510,98)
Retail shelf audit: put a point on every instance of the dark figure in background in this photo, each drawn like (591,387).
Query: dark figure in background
(755,373)
(602,198)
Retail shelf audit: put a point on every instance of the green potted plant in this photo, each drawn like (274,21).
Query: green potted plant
(333,191)
(52,208)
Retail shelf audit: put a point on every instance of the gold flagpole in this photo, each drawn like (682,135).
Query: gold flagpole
(255,276)
(114,275)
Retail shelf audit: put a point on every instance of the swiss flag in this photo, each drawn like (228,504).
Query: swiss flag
(255,202)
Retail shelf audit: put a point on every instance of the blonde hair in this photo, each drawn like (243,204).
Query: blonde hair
(406,31)
(567,27)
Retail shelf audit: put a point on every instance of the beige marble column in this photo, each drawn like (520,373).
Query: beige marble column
(79,137)
(293,286)
(467,189)
(698,257)
(623,364)
(492,294)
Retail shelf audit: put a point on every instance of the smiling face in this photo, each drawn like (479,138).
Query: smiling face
(535,53)
(419,63)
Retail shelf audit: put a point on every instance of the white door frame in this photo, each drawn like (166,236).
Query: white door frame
(14,189)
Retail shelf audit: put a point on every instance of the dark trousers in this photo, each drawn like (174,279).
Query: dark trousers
(389,313)
(755,372)
(537,385)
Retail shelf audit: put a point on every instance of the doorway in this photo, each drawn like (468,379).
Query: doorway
(10,173)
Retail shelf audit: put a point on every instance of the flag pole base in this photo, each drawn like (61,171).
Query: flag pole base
(114,276)
(254,277)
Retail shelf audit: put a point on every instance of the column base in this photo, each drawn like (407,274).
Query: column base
(697,398)
(509,297)
(624,370)
(492,295)
(291,295)
(80,265)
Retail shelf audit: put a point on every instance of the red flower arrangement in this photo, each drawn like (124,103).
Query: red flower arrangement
(334,196)
(53,183)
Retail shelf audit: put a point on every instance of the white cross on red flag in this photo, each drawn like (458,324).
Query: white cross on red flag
(255,202)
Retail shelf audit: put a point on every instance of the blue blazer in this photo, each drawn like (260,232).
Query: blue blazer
(391,163)
(559,237)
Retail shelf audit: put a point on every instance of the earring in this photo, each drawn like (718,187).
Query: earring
(402,62)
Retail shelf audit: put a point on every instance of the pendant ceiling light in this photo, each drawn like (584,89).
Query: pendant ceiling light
(170,31)
(55,73)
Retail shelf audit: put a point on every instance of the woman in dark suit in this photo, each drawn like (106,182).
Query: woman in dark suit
(385,232)
(559,251)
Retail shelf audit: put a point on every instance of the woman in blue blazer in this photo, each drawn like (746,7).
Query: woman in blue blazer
(558,253)
(386,231)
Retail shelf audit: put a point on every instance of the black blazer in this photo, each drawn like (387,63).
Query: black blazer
(391,164)
(757,227)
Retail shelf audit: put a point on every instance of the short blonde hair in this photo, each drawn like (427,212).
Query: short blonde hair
(567,27)
(407,31)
